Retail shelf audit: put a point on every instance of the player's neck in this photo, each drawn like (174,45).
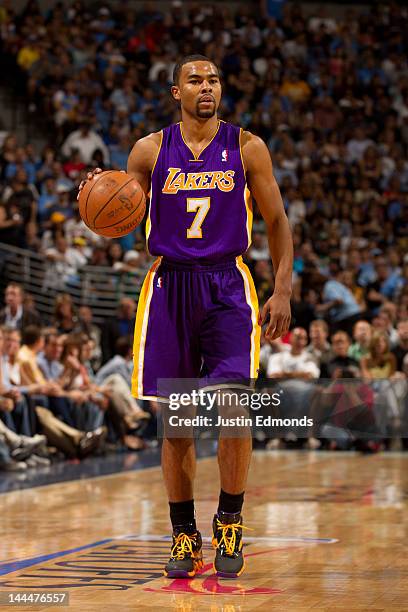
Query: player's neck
(198,132)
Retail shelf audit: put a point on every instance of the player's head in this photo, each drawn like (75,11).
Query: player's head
(196,85)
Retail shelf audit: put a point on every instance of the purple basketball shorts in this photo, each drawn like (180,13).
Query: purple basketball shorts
(195,321)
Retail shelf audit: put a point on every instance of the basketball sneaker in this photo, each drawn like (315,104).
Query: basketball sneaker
(186,555)
(227,541)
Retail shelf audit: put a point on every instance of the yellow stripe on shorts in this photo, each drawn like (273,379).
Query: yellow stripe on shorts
(252,301)
(142,322)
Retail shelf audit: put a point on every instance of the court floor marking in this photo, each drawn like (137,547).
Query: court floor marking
(13,566)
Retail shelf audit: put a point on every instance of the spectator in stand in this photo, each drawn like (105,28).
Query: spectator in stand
(64,264)
(74,166)
(362,333)
(86,141)
(17,452)
(88,328)
(15,315)
(380,366)
(125,413)
(295,368)
(62,204)
(121,325)
(11,223)
(297,363)
(49,359)
(51,393)
(319,347)
(380,363)
(15,413)
(338,302)
(382,288)
(114,253)
(383,323)
(341,365)
(65,317)
(401,348)
(121,364)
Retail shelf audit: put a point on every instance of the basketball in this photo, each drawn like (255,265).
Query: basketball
(112,204)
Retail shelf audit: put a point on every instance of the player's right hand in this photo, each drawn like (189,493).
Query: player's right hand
(89,177)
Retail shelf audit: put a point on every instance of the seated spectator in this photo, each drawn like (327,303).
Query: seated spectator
(380,362)
(362,333)
(65,317)
(341,365)
(346,402)
(383,287)
(17,453)
(121,363)
(295,368)
(49,359)
(47,393)
(11,223)
(113,381)
(85,326)
(114,253)
(74,166)
(129,264)
(15,315)
(64,264)
(296,363)
(16,412)
(383,322)
(62,204)
(69,440)
(400,349)
(86,141)
(122,324)
(338,302)
(90,402)
(319,348)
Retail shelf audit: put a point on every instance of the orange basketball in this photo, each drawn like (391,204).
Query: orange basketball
(112,204)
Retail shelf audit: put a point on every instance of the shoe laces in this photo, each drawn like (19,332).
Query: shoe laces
(183,545)
(229,539)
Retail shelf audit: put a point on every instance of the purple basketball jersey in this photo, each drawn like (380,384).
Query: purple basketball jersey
(200,207)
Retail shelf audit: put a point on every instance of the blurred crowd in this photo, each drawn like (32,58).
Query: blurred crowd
(354,387)
(328,92)
(65,384)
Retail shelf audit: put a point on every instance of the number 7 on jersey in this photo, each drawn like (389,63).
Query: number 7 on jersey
(201,206)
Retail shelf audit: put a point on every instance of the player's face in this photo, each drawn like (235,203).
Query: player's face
(199,89)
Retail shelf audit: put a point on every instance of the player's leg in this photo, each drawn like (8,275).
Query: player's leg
(179,466)
(234,457)
(164,350)
(230,340)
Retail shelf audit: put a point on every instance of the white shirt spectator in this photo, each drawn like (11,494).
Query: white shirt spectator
(356,148)
(296,212)
(86,143)
(286,362)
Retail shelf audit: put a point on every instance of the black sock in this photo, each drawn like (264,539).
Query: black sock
(182,513)
(229,503)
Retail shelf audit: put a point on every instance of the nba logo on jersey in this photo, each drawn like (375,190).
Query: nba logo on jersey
(224,155)
(159,282)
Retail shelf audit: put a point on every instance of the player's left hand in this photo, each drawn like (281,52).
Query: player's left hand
(278,308)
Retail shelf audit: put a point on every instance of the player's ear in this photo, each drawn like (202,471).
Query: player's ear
(175,92)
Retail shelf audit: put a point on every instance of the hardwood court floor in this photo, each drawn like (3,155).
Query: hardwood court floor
(329,532)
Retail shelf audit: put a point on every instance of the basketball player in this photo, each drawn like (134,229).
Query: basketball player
(197,312)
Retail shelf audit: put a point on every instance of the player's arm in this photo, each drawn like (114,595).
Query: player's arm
(142,159)
(264,188)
